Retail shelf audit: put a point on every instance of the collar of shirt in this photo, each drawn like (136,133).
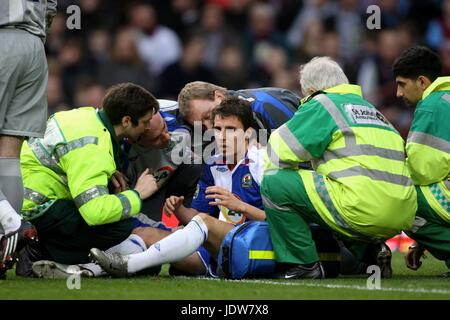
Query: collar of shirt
(345,89)
(440,84)
(221,161)
(339,89)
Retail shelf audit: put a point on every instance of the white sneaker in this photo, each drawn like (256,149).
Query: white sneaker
(53,270)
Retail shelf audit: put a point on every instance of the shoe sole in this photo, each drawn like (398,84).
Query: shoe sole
(50,270)
(384,260)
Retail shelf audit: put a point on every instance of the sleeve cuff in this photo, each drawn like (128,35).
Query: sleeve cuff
(135,201)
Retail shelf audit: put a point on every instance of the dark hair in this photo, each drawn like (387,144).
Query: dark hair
(235,107)
(128,99)
(418,61)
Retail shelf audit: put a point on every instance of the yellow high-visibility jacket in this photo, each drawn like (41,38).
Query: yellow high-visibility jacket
(360,185)
(428,146)
(74,161)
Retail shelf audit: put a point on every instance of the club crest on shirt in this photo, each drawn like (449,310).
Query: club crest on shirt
(247,181)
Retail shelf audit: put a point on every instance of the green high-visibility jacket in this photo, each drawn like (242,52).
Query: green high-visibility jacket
(428,146)
(360,185)
(74,161)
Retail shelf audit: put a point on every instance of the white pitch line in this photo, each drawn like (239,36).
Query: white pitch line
(332,286)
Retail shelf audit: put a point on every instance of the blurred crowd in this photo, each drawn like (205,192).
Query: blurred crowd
(237,44)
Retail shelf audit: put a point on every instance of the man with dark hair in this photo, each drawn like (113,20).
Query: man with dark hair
(234,107)
(128,99)
(235,166)
(231,177)
(66,176)
(416,63)
(228,189)
(417,72)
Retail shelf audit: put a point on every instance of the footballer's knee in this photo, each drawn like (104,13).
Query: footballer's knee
(206,218)
(150,235)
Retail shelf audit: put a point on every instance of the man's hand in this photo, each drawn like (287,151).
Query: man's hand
(119,182)
(224,198)
(172,204)
(146,185)
(412,258)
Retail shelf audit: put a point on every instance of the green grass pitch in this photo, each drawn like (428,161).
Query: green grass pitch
(405,284)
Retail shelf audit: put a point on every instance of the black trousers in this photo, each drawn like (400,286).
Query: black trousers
(67,238)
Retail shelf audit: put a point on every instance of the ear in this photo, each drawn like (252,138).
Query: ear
(218,96)
(312,91)
(423,82)
(249,134)
(307,93)
(126,121)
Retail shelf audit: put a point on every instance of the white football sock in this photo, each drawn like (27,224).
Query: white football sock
(132,244)
(9,219)
(96,270)
(175,247)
